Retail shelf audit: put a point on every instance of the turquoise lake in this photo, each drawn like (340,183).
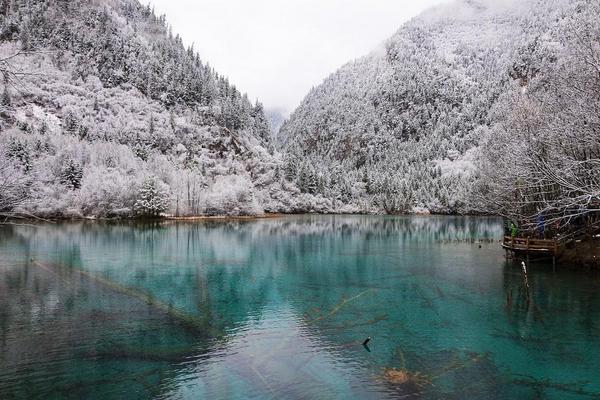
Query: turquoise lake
(279,308)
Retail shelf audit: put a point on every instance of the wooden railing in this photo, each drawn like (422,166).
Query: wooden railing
(529,244)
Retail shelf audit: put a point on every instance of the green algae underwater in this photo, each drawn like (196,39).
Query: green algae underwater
(280,308)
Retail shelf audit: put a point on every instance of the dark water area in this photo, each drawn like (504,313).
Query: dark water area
(279,308)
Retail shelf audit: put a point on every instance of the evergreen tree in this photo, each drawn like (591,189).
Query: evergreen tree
(261,125)
(368,181)
(153,198)
(303,178)
(83,132)
(277,175)
(71,175)
(321,184)
(20,152)
(43,128)
(6,101)
(172,122)
(151,127)
(291,171)
(345,192)
(312,183)
(70,124)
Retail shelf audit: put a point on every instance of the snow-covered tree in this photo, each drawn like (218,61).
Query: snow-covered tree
(71,174)
(543,157)
(5,100)
(153,198)
(14,186)
(422,101)
(401,129)
(109,75)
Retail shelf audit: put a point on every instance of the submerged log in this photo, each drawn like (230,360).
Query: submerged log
(196,325)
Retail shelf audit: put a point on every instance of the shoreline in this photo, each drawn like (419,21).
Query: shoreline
(16,220)
(223,217)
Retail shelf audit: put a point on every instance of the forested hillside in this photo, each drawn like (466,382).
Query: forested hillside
(400,129)
(475,105)
(541,160)
(104,113)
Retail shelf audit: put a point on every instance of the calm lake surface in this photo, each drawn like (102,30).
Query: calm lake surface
(279,308)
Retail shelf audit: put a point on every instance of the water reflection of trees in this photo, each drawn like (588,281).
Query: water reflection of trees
(104,299)
(222,275)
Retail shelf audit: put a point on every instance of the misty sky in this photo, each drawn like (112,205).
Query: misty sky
(276,50)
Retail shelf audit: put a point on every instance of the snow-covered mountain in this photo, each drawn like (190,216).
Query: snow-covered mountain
(105,113)
(399,129)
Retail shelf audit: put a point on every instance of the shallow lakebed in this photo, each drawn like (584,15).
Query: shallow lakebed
(279,308)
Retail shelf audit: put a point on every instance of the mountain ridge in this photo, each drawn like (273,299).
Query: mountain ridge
(404,124)
(105,113)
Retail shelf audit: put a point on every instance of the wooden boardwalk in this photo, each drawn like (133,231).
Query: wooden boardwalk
(529,245)
(533,248)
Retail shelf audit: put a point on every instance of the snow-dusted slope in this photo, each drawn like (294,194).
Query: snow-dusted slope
(399,129)
(105,113)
